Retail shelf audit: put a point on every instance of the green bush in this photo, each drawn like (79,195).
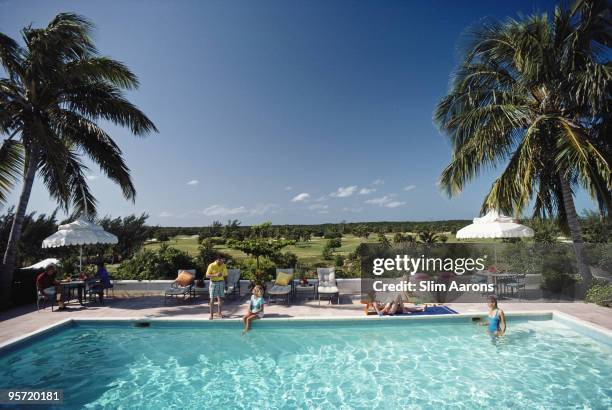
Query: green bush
(248,268)
(599,292)
(558,282)
(151,265)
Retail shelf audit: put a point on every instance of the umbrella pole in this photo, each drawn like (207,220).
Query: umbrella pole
(81,259)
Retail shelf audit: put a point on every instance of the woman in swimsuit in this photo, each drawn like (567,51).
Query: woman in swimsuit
(497,319)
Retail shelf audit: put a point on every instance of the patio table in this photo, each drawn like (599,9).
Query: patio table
(306,290)
(498,279)
(68,289)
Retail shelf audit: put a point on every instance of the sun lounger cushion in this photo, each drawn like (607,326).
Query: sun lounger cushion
(176,291)
(328,289)
(283,279)
(184,279)
(279,290)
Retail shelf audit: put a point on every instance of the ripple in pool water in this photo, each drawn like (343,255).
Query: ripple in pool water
(538,364)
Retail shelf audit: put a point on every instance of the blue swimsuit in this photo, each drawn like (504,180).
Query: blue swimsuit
(494,322)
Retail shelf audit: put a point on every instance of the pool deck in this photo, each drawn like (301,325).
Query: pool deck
(22,320)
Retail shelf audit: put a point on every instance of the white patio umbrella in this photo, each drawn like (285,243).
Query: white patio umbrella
(494,225)
(43,264)
(79,233)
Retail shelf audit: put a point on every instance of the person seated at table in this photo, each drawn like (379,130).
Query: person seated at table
(48,286)
(103,276)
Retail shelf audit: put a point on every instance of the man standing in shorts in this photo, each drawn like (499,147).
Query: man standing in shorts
(217,272)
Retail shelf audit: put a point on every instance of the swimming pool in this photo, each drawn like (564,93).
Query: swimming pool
(429,363)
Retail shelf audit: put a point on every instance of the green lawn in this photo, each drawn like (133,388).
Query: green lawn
(307,252)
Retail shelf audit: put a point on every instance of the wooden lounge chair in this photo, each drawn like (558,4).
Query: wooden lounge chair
(281,290)
(327,287)
(177,289)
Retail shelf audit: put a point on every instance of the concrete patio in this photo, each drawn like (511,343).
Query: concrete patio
(25,319)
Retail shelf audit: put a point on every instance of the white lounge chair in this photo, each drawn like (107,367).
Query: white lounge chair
(327,286)
(281,291)
(175,290)
(233,282)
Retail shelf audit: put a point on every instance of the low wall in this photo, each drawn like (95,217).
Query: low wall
(344,285)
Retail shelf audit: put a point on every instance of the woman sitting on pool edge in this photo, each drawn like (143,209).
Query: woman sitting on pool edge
(497,319)
(256,308)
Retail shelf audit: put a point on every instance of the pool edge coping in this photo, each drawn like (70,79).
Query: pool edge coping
(580,323)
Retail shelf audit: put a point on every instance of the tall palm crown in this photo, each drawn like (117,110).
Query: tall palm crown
(57,87)
(533,95)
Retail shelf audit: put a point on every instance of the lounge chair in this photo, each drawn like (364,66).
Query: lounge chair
(283,285)
(201,290)
(233,282)
(179,288)
(327,286)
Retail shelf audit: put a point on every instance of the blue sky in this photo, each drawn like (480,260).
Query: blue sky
(289,111)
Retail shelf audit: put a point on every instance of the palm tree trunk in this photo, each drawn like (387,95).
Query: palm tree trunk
(10,254)
(576,234)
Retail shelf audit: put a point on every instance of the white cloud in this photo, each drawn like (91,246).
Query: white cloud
(263,209)
(379,182)
(324,212)
(385,201)
(394,204)
(409,187)
(193,182)
(220,210)
(366,191)
(92,177)
(321,199)
(288,188)
(301,197)
(347,209)
(164,214)
(344,192)
(315,207)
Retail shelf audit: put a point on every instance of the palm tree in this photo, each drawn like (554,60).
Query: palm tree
(532,96)
(429,237)
(56,88)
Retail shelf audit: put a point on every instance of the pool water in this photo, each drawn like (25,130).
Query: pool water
(352,364)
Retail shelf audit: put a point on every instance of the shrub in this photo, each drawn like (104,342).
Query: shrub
(267,269)
(599,292)
(339,261)
(151,265)
(558,282)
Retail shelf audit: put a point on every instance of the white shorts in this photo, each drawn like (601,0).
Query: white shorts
(49,291)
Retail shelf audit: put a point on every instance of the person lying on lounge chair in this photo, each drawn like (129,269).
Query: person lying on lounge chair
(391,308)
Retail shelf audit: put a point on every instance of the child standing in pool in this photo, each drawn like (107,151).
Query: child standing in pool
(497,319)
(256,308)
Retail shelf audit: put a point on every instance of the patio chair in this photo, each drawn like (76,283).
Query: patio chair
(233,282)
(327,287)
(182,286)
(517,282)
(42,299)
(93,288)
(283,285)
